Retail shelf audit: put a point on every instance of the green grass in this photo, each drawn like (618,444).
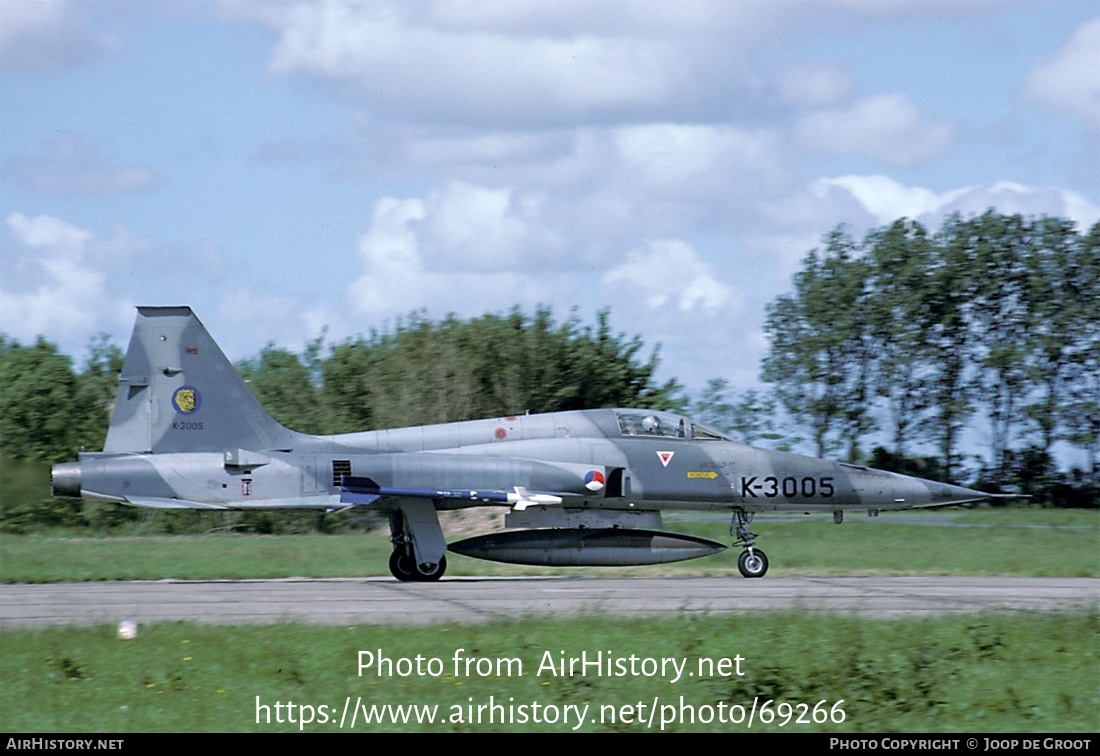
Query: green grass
(1025,542)
(988,673)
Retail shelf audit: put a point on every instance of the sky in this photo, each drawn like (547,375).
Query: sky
(287,167)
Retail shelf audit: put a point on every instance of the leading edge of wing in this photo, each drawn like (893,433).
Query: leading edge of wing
(152,502)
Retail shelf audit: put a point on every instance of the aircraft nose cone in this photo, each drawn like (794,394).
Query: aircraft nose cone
(945,493)
(65,479)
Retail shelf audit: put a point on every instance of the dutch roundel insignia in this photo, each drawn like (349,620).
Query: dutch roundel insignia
(594,480)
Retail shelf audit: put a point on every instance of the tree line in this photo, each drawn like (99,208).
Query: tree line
(990,321)
(424,372)
(48,410)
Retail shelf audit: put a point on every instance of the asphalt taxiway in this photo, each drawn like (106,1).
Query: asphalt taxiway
(359,601)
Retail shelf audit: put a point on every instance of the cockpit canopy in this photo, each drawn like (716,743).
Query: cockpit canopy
(664,425)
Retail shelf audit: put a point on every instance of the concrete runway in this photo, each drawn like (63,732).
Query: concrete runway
(364,601)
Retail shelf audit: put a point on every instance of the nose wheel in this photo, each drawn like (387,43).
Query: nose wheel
(753,563)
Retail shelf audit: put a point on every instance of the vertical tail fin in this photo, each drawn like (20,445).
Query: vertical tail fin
(178,392)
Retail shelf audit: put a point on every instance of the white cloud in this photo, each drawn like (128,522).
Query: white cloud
(667,272)
(662,289)
(391,245)
(246,319)
(816,85)
(684,179)
(886,200)
(401,272)
(560,61)
(66,296)
(48,35)
(70,164)
(568,196)
(1070,80)
(667,291)
(423,66)
(477,148)
(1012,198)
(646,179)
(48,233)
(467,227)
(694,161)
(886,127)
(67,283)
(794,224)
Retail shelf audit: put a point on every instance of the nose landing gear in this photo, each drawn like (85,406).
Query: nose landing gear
(753,563)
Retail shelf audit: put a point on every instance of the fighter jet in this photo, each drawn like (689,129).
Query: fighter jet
(583,487)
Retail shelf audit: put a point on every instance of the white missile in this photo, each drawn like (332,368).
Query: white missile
(522,498)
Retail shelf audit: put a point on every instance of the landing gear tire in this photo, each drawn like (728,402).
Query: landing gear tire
(402,567)
(753,563)
(427,573)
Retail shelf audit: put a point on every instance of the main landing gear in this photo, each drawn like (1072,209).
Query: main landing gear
(753,563)
(404,567)
(418,543)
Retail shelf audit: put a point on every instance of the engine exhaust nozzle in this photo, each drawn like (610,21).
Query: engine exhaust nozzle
(65,480)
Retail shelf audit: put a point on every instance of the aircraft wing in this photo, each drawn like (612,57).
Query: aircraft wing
(163,503)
